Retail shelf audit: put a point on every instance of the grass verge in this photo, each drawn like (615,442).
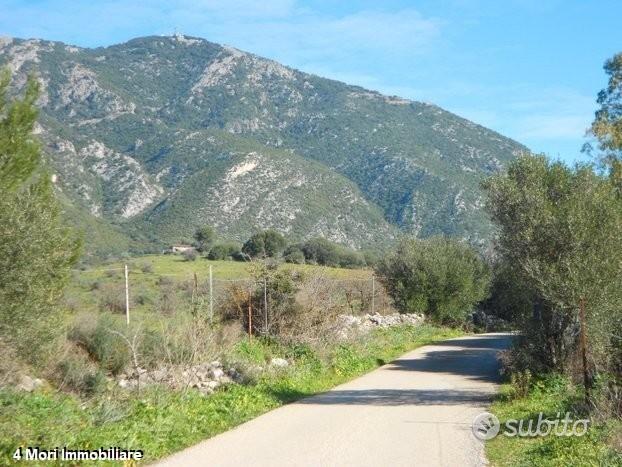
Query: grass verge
(160,421)
(551,395)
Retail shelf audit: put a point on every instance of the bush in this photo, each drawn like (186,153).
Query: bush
(521,383)
(183,340)
(326,253)
(76,373)
(439,277)
(240,256)
(190,255)
(222,251)
(101,339)
(294,255)
(112,298)
(168,301)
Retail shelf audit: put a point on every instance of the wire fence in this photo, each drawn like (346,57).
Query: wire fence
(126,288)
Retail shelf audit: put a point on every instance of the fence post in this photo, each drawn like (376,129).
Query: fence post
(373,293)
(583,342)
(250,316)
(195,293)
(127,297)
(211,297)
(265,305)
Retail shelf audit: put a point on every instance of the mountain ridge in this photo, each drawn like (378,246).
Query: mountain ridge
(128,127)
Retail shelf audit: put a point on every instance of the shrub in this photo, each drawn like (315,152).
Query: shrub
(75,373)
(112,298)
(163,281)
(294,255)
(183,340)
(439,277)
(222,251)
(521,383)
(190,255)
(327,253)
(240,256)
(168,301)
(101,339)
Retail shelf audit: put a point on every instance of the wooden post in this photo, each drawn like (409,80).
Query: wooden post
(127,296)
(250,316)
(583,343)
(265,305)
(373,293)
(211,296)
(195,293)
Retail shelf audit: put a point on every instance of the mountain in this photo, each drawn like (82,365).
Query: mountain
(158,135)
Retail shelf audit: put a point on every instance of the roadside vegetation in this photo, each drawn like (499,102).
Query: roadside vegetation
(554,396)
(559,281)
(161,421)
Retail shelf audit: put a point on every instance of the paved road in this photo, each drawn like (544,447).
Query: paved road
(416,410)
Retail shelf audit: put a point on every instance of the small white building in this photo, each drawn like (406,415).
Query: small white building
(181,248)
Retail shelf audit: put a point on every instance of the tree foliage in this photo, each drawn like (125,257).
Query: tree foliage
(266,244)
(560,230)
(607,125)
(19,149)
(326,253)
(439,277)
(204,238)
(225,250)
(36,249)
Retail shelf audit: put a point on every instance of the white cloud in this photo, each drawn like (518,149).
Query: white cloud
(281,29)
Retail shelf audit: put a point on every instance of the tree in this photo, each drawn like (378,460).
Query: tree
(36,249)
(607,125)
(560,229)
(205,237)
(439,277)
(19,150)
(224,250)
(293,254)
(266,244)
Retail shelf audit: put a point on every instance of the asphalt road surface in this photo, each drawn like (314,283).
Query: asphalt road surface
(415,411)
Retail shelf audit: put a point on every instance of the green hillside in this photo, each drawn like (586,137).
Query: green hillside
(158,135)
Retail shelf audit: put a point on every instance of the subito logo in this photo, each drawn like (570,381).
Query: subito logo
(485,426)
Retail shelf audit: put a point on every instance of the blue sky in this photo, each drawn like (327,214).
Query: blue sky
(529,69)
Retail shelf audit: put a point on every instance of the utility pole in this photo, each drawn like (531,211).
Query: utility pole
(583,343)
(127,296)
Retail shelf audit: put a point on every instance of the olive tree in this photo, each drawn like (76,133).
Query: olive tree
(560,229)
(36,249)
(440,277)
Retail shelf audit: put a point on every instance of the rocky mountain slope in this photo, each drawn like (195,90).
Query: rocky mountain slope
(160,134)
